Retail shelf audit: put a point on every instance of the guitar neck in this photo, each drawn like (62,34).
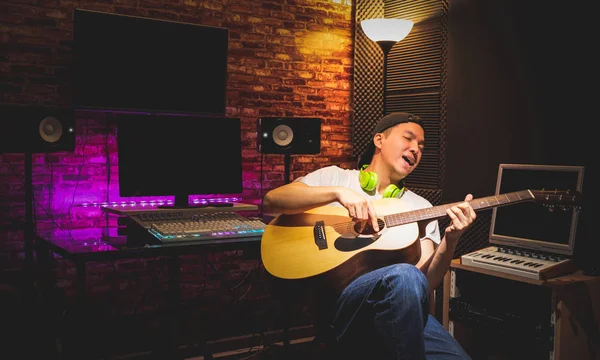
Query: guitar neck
(438,212)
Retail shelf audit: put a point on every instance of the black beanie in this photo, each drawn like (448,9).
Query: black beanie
(385,123)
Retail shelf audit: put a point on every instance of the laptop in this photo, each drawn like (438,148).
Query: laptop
(530,239)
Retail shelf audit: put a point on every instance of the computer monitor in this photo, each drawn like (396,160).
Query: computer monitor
(128,63)
(530,225)
(179,155)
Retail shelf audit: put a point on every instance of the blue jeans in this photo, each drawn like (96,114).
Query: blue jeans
(384,314)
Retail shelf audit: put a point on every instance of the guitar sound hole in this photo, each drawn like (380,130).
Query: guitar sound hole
(368,228)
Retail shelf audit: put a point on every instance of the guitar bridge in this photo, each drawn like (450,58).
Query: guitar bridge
(319,234)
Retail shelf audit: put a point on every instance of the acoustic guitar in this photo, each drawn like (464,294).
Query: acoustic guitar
(326,242)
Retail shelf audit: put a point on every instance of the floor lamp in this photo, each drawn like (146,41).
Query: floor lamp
(386,33)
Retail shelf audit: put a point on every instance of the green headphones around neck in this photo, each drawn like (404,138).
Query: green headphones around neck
(368,182)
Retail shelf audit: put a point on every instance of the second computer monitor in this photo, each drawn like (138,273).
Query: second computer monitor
(174,155)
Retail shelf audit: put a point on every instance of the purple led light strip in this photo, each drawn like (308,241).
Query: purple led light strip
(158,202)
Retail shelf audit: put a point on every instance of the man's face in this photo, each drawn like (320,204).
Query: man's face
(402,147)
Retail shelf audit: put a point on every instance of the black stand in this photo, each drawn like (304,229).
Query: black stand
(286,169)
(29,231)
(385,46)
(286,307)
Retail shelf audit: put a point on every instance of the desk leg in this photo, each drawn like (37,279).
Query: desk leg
(50,314)
(173,314)
(446,300)
(78,343)
(46,275)
(167,343)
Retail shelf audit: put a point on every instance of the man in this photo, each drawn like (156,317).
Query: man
(383,314)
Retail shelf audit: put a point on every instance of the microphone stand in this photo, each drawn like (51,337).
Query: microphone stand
(29,231)
(29,227)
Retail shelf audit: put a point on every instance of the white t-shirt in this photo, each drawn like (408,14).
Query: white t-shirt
(336,176)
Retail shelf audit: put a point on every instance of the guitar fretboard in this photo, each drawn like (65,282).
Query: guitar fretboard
(438,212)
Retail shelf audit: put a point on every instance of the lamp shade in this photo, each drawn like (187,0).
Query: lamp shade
(386,29)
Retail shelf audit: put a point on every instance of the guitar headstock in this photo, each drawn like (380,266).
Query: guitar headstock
(561,199)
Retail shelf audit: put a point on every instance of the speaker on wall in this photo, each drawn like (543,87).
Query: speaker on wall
(288,135)
(26,129)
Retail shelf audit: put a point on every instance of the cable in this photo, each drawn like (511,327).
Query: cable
(205,263)
(85,131)
(107,154)
(114,287)
(34,200)
(50,190)
(238,301)
(263,336)
(256,353)
(154,282)
(33,208)
(219,273)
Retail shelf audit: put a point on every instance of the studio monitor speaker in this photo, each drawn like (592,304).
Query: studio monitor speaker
(288,135)
(26,129)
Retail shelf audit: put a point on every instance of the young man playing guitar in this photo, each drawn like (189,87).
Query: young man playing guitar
(384,312)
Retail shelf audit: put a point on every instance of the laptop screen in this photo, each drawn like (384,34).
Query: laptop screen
(531,225)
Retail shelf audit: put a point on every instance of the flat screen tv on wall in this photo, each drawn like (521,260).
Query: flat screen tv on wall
(135,64)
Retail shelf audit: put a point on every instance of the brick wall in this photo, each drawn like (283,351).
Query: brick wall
(286,58)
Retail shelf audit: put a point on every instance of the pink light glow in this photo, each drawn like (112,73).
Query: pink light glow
(153,202)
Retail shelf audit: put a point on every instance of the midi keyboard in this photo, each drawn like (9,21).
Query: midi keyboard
(518,262)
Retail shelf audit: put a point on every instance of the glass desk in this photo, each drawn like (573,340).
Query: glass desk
(81,246)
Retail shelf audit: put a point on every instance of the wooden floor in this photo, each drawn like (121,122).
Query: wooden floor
(248,347)
(30,332)
(299,349)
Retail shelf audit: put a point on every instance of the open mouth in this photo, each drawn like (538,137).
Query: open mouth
(409,160)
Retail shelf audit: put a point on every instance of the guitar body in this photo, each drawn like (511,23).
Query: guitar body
(289,249)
